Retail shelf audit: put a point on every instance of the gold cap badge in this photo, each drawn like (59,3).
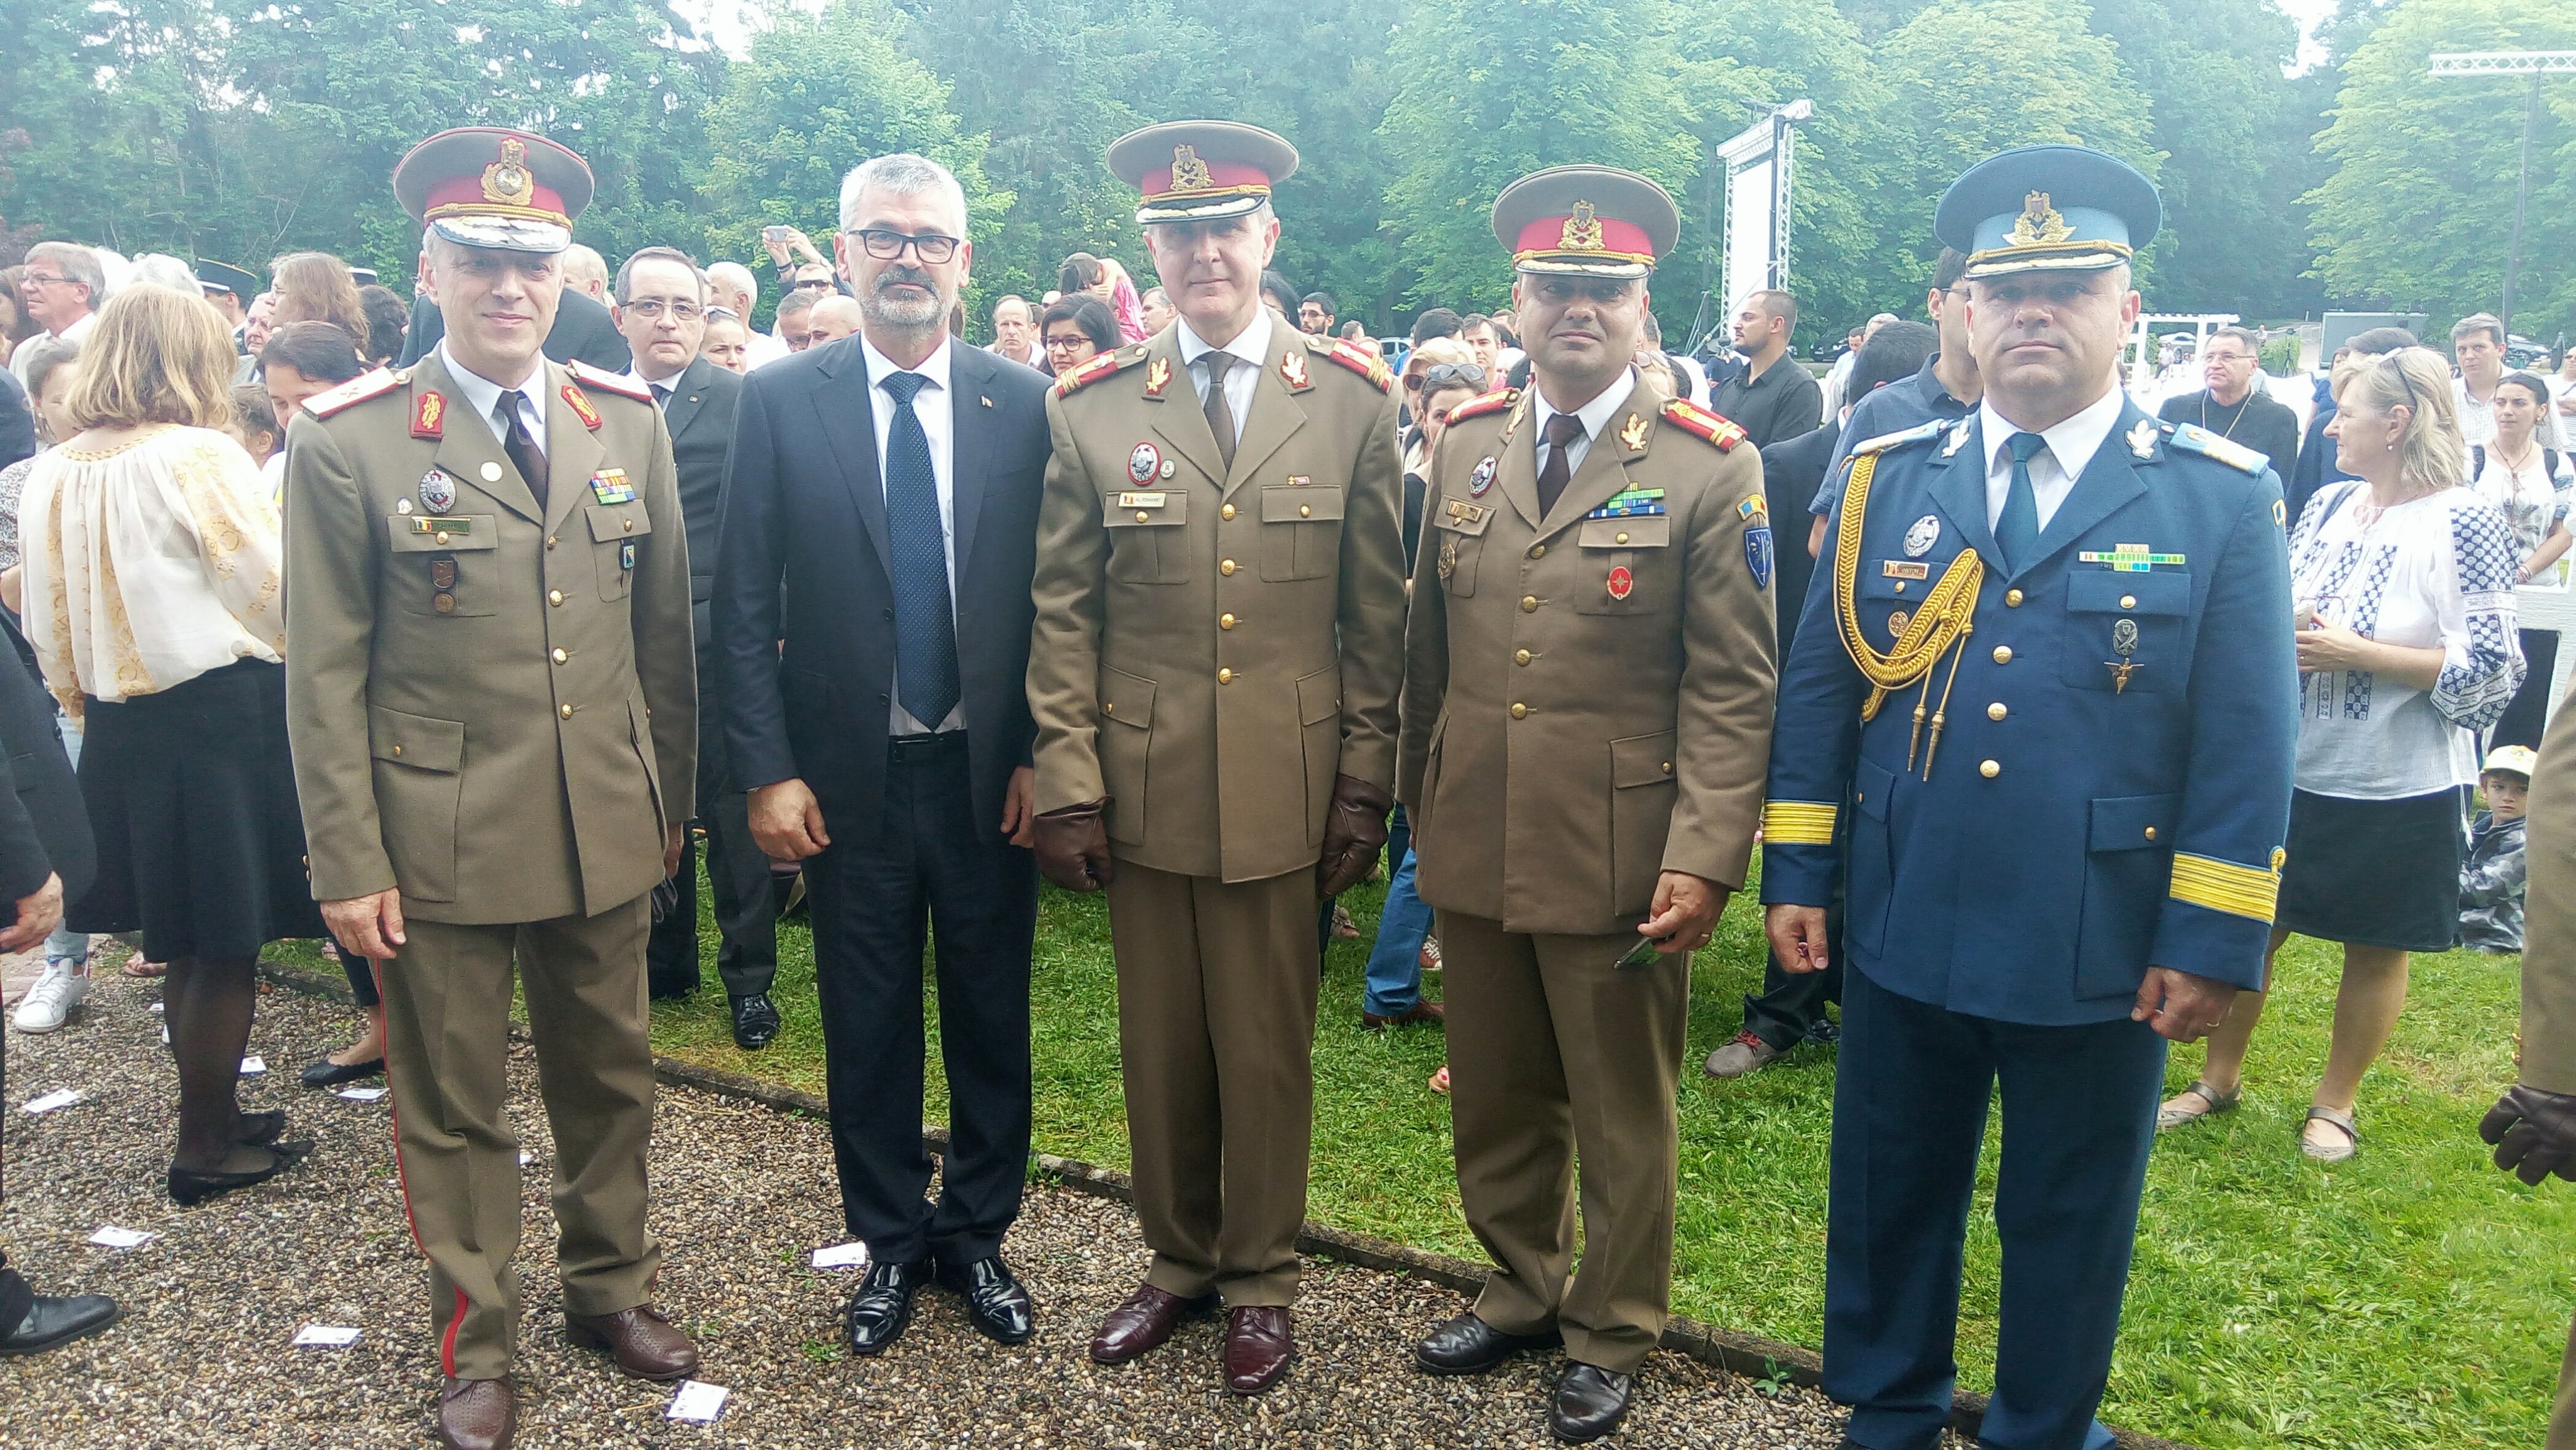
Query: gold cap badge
(1582,230)
(2039,224)
(507,181)
(1189,173)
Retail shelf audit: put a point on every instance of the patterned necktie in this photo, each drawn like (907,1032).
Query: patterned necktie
(525,452)
(1562,431)
(1220,413)
(925,621)
(2017,532)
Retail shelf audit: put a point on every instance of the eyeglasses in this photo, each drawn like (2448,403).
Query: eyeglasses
(818,283)
(652,308)
(932,247)
(1452,375)
(39,279)
(1067,344)
(2414,404)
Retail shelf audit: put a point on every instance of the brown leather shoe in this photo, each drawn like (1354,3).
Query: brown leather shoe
(1143,1322)
(1420,1011)
(1257,1347)
(476,1414)
(644,1342)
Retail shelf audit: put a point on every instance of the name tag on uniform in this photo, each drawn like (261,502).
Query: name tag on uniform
(1905,569)
(609,485)
(431,524)
(1465,512)
(1140,500)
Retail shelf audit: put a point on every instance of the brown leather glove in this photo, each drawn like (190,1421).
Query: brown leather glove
(1354,828)
(1072,847)
(2534,1133)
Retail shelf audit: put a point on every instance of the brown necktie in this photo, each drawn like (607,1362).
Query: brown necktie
(524,450)
(1220,413)
(1562,430)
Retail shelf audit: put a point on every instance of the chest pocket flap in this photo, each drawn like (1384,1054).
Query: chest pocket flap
(2113,591)
(480,531)
(1145,508)
(1283,504)
(610,523)
(1648,531)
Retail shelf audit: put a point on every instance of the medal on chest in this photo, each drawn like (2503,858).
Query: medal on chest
(1483,478)
(437,492)
(1144,461)
(1920,538)
(2124,643)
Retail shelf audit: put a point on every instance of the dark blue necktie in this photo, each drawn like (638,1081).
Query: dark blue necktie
(2017,532)
(925,623)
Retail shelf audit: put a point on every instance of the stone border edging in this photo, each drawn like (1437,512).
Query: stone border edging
(1748,1356)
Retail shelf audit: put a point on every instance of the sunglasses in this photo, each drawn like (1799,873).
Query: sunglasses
(1452,375)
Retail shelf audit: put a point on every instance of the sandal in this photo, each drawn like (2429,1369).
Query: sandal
(2173,1114)
(1440,1079)
(2328,1116)
(135,966)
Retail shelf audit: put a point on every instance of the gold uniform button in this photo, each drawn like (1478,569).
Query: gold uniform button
(1305,510)
(1520,711)
(1990,770)
(2012,599)
(2003,654)
(1900,586)
(630,526)
(442,536)
(550,542)
(1142,516)
(1529,604)
(567,712)
(1521,658)
(1668,767)
(1225,677)
(1109,707)
(2128,601)
(554,596)
(1538,551)
(1226,512)
(561,656)
(2151,833)
(1225,621)
(308,860)
(1225,566)
(1623,538)
(1996,711)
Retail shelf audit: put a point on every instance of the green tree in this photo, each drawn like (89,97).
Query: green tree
(2419,209)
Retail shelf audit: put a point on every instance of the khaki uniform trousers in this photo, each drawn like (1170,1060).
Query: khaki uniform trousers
(1216,1030)
(447,1004)
(2562,1418)
(1557,1056)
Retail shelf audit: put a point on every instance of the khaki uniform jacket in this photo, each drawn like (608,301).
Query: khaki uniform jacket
(1214,645)
(2549,923)
(1564,745)
(515,758)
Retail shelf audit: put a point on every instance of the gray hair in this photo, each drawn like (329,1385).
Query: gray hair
(903,174)
(168,271)
(582,264)
(40,356)
(801,299)
(735,277)
(78,264)
(626,271)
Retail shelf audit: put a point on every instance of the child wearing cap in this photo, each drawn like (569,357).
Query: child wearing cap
(2492,881)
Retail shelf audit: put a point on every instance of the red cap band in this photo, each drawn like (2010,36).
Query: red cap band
(1548,235)
(1222,176)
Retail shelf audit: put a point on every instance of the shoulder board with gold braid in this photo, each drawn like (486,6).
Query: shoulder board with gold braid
(2193,438)
(618,383)
(1703,424)
(355,390)
(1922,433)
(1494,402)
(1358,359)
(1096,369)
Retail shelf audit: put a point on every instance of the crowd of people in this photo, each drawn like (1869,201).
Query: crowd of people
(1199,595)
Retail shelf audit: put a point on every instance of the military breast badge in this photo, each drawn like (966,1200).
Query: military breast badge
(1483,478)
(437,491)
(1622,583)
(1922,536)
(1143,462)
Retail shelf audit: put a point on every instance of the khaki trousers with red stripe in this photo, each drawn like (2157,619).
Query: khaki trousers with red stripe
(447,1004)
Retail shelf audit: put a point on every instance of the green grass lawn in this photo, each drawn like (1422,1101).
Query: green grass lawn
(2411,1297)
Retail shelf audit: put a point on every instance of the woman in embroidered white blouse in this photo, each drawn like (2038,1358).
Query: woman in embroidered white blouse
(151,589)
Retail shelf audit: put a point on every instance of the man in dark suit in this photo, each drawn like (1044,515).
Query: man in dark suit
(891,482)
(661,309)
(582,332)
(17,421)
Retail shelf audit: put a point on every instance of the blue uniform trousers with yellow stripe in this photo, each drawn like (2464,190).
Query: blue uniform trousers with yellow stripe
(1910,1097)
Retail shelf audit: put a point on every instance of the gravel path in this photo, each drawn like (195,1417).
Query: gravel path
(741,1196)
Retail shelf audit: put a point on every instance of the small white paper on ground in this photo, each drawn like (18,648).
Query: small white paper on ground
(60,1098)
(842,1256)
(698,1401)
(254,1065)
(362,1095)
(155,1007)
(165,1034)
(526,1157)
(328,1336)
(120,1238)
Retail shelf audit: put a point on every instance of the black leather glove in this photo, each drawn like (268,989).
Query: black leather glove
(1072,847)
(1354,827)
(2534,1133)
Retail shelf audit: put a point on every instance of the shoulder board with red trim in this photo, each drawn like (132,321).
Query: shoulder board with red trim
(1477,407)
(1703,424)
(1096,369)
(1363,361)
(355,390)
(618,383)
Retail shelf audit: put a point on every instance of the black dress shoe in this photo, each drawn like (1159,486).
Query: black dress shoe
(260,1129)
(328,1074)
(1590,1402)
(994,1300)
(188,1189)
(755,1021)
(883,1306)
(1468,1345)
(52,1321)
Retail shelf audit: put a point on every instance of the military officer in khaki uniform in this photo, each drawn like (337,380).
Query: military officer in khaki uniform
(1587,717)
(494,722)
(1214,671)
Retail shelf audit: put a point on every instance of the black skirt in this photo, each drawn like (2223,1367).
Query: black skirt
(192,798)
(2375,873)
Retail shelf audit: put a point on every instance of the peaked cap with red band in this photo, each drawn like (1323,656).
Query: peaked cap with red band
(1191,171)
(484,186)
(1589,221)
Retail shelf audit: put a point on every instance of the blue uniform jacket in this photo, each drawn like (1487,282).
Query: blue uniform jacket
(2071,833)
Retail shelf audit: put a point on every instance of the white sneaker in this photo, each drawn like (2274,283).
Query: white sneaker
(50,1002)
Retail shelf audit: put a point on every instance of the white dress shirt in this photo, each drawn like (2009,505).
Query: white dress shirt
(20,363)
(661,391)
(1250,349)
(935,407)
(1594,416)
(484,395)
(2071,441)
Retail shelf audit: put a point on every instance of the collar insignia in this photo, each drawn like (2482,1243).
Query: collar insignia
(581,405)
(1292,370)
(1158,377)
(2142,438)
(1632,434)
(429,416)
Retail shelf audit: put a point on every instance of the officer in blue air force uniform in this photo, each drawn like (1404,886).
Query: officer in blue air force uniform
(2050,688)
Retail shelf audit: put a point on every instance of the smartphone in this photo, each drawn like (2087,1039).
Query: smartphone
(773,234)
(1642,954)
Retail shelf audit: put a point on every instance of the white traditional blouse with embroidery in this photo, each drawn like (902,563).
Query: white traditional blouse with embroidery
(148,564)
(2433,572)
